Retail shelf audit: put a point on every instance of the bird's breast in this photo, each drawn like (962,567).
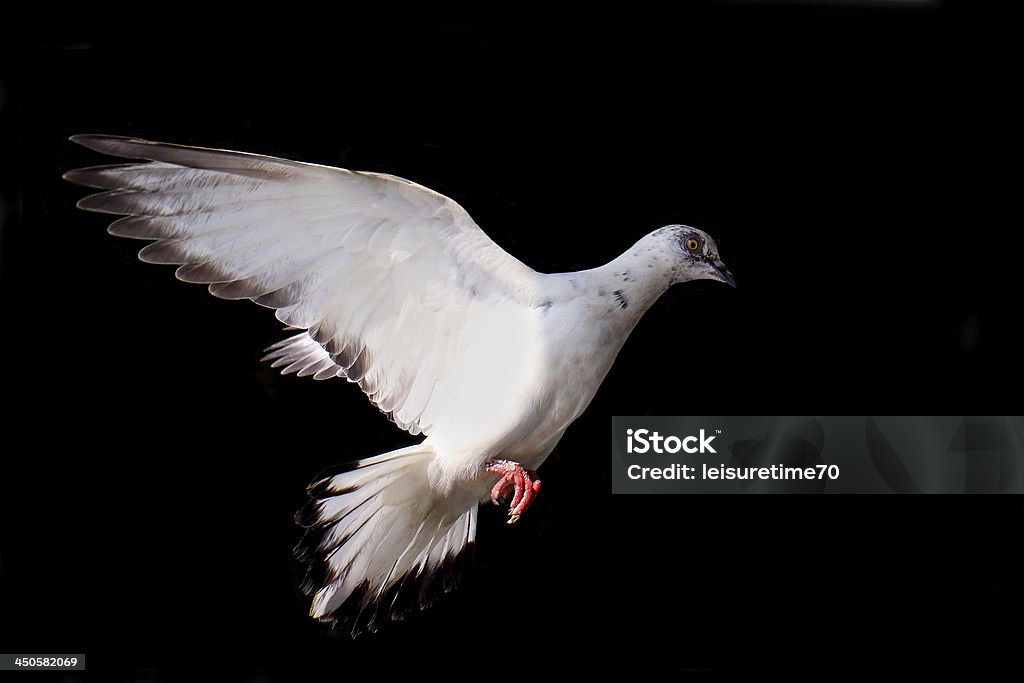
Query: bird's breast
(521,386)
(577,357)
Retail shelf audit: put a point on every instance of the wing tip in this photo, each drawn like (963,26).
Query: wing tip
(90,176)
(114,145)
(103,202)
(92,139)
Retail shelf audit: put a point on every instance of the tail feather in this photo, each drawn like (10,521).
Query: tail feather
(378,542)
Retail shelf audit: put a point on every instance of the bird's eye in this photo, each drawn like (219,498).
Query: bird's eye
(692,245)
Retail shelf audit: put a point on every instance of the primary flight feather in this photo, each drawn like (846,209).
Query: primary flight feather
(396,289)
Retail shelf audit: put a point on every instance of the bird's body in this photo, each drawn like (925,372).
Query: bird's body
(530,376)
(396,289)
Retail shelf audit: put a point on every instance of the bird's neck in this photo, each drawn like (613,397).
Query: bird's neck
(622,290)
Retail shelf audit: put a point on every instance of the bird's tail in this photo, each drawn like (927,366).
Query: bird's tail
(379,543)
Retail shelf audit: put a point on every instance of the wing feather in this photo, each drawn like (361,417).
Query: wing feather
(379,273)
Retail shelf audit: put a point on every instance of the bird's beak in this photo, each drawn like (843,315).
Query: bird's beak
(721,273)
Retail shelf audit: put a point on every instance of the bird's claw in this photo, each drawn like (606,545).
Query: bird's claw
(524,483)
(499,489)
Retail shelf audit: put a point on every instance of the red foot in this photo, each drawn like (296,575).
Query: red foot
(525,482)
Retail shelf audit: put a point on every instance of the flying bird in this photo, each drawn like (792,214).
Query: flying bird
(393,287)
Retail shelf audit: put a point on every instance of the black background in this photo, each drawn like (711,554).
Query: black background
(846,156)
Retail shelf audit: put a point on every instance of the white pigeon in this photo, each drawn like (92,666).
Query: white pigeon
(396,289)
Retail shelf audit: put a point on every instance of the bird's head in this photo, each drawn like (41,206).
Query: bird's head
(693,254)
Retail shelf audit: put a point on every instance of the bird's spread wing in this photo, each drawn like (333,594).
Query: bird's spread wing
(382,273)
